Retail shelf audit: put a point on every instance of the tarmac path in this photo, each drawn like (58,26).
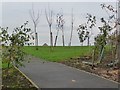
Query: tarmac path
(55,75)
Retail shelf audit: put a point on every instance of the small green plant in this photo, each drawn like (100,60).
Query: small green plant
(83,33)
(85,30)
(101,39)
(12,52)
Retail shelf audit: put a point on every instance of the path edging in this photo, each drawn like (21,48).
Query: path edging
(90,73)
(27,78)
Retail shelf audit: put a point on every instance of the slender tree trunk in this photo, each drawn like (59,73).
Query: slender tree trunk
(35,35)
(88,41)
(63,37)
(71,36)
(101,54)
(51,40)
(71,30)
(36,40)
(63,40)
(56,37)
(51,36)
(93,59)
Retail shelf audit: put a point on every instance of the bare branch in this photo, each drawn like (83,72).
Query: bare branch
(32,16)
(47,17)
(35,20)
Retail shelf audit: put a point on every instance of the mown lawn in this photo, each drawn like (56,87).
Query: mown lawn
(58,53)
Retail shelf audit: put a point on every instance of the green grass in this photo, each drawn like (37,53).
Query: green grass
(58,53)
(4,65)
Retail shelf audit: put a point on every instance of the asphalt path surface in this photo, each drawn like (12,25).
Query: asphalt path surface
(55,75)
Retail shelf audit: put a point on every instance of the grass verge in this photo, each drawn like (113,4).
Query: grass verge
(58,53)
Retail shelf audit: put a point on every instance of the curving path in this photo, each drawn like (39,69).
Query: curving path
(55,75)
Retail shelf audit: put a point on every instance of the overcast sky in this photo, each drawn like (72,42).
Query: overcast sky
(16,13)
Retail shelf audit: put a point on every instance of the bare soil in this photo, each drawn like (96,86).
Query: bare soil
(12,79)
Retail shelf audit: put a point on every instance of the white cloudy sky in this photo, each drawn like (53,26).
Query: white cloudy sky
(16,13)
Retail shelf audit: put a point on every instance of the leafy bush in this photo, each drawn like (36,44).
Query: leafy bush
(12,44)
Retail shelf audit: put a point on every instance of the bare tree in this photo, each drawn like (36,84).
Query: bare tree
(71,29)
(60,24)
(49,17)
(62,28)
(57,27)
(35,19)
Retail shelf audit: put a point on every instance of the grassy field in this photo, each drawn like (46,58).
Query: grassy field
(58,53)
